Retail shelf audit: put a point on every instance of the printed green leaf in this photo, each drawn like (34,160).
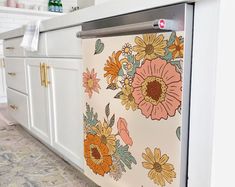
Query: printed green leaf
(122,166)
(107,110)
(181,39)
(120,72)
(131,58)
(99,47)
(179,109)
(125,156)
(105,121)
(171,39)
(168,55)
(178,66)
(117,96)
(112,120)
(178,132)
(112,86)
(90,118)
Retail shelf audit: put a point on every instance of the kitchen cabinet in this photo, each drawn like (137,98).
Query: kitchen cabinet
(15,74)
(18,106)
(40,123)
(205,35)
(2,82)
(55,103)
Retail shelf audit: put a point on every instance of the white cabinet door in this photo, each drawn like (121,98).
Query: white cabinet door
(65,92)
(38,101)
(3,97)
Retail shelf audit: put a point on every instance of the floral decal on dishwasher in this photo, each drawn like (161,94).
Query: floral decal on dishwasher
(107,151)
(90,82)
(160,171)
(148,75)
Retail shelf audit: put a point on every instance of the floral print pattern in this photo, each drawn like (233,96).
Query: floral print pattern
(157,89)
(160,171)
(177,48)
(97,154)
(105,133)
(112,67)
(103,151)
(90,82)
(149,80)
(127,98)
(123,131)
(150,47)
(142,75)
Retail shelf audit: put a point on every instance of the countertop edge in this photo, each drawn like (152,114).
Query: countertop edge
(113,8)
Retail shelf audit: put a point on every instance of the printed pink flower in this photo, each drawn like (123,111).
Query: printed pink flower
(157,89)
(123,131)
(90,82)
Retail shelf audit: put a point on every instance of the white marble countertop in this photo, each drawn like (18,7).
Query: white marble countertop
(108,9)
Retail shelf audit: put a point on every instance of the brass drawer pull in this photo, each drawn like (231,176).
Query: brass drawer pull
(47,82)
(12,73)
(14,107)
(10,48)
(42,74)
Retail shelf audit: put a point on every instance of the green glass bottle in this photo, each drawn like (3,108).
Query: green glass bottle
(56,4)
(60,6)
(51,6)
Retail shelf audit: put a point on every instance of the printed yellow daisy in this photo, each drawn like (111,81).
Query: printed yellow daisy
(150,47)
(160,171)
(127,49)
(105,133)
(127,98)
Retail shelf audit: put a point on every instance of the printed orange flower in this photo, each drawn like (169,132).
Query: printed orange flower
(150,47)
(112,67)
(123,131)
(177,48)
(157,89)
(160,171)
(97,155)
(104,131)
(90,82)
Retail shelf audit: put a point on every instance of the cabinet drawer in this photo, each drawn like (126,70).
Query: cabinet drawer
(64,43)
(12,47)
(15,74)
(42,52)
(18,106)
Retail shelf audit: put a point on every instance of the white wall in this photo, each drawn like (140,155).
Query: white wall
(67,4)
(203,92)
(224,132)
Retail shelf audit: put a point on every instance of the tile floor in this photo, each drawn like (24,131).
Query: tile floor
(24,161)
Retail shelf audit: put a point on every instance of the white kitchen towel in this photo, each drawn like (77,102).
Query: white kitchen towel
(31,36)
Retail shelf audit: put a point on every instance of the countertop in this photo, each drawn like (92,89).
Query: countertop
(108,9)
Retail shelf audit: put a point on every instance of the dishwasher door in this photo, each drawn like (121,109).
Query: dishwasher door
(136,85)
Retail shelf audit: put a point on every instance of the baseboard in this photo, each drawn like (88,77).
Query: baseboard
(3,99)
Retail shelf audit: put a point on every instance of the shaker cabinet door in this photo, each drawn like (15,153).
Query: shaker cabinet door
(38,101)
(65,92)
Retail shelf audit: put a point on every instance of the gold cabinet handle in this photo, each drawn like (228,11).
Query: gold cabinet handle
(42,74)
(11,73)
(47,82)
(2,63)
(10,48)
(14,107)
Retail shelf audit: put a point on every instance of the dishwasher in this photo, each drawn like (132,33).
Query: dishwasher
(136,87)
